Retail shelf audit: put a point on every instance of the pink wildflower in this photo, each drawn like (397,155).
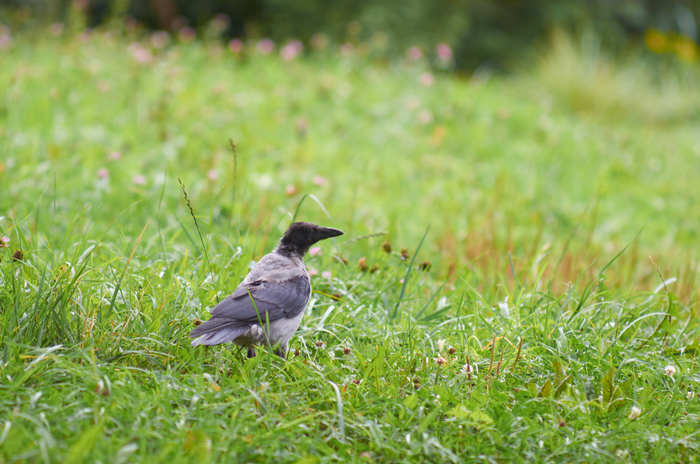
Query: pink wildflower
(425,117)
(213,175)
(57,29)
(159,39)
(138,179)
(315,251)
(326,274)
(444,52)
(291,50)
(265,46)
(186,34)
(4,241)
(427,79)
(312,272)
(5,38)
(140,53)
(236,46)
(320,181)
(115,156)
(103,173)
(415,53)
(291,190)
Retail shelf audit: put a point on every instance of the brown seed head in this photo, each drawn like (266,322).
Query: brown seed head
(386,246)
(102,389)
(404,254)
(362,264)
(18,256)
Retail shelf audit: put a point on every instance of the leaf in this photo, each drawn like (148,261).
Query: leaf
(562,385)
(199,444)
(607,384)
(460,412)
(411,401)
(546,389)
(532,388)
(428,420)
(308,460)
(558,369)
(84,444)
(475,416)
(481,417)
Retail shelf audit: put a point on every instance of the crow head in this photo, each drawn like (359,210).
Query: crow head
(301,235)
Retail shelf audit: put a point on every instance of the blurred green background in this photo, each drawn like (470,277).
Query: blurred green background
(490,33)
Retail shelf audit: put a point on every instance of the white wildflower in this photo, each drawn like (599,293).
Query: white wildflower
(634,413)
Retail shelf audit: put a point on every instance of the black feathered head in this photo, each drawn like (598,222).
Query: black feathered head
(301,235)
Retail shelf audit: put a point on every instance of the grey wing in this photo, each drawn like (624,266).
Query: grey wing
(269,300)
(273,300)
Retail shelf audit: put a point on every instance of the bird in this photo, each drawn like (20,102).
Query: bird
(267,306)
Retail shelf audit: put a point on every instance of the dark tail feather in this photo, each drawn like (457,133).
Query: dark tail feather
(215,332)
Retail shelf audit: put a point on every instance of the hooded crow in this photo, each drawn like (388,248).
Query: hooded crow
(268,305)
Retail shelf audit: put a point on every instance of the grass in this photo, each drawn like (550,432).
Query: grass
(549,275)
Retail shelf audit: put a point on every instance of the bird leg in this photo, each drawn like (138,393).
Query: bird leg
(251,352)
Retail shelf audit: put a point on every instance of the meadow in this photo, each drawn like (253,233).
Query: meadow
(517,279)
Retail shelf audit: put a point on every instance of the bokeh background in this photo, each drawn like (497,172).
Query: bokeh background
(481,33)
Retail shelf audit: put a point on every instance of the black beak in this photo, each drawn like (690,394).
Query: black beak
(327,232)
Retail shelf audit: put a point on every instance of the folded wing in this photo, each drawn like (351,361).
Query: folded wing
(258,302)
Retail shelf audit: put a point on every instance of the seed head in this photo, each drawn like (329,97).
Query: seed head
(362,264)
